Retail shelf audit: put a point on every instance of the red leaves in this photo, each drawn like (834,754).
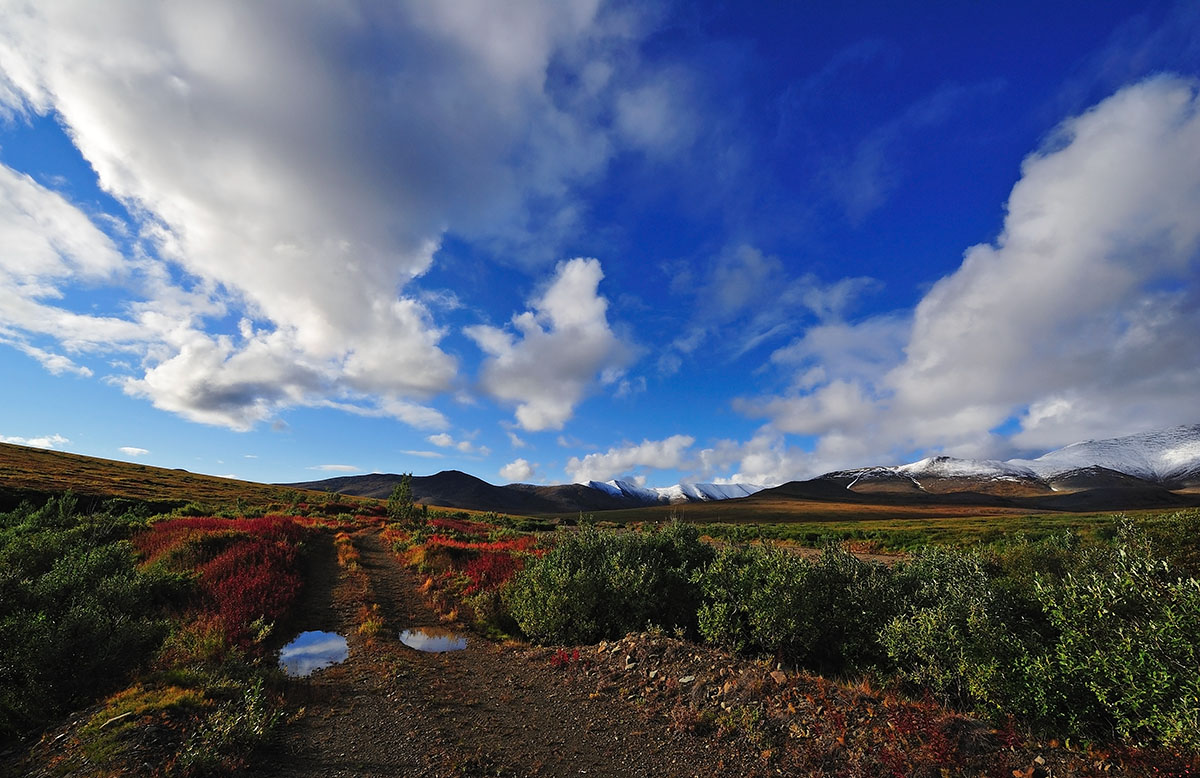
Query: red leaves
(523,543)
(255,578)
(247,567)
(491,570)
(562,658)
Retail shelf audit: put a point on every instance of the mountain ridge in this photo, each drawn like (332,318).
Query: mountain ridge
(1151,469)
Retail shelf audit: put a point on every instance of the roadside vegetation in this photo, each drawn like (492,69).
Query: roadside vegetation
(149,625)
(161,627)
(1086,638)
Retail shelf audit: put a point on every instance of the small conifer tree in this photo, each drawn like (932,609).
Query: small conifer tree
(400,504)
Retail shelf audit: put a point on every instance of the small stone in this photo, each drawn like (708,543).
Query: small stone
(687,679)
(113,720)
(1039,760)
(653,674)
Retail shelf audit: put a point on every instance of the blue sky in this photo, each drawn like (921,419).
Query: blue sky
(560,241)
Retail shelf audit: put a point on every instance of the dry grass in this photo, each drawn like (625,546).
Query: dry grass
(34,471)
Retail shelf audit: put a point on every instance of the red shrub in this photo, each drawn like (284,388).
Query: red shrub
(256,578)
(462,527)
(251,573)
(562,658)
(524,543)
(491,570)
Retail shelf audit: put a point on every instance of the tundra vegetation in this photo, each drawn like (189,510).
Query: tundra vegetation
(1089,640)
(170,616)
(126,616)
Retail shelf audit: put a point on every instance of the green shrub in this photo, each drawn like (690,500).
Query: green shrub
(959,635)
(597,584)
(1080,641)
(753,602)
(1129,638)
(76,614)
(823,615)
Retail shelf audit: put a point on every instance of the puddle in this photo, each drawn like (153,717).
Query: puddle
(433,639)
(311,651)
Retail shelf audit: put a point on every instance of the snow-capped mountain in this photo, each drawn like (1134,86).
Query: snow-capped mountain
(683,492)
(949,467)
(1169,458)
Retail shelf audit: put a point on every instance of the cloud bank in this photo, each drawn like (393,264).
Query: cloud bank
(624,460)
(274,174)
(1078,321)
(45,441)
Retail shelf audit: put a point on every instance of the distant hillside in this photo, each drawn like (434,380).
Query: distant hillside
(35,474)
(1152,469)
(456,489)
(1159,469)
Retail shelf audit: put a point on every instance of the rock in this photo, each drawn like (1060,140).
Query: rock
(115,719)
(687,679)
(653,674)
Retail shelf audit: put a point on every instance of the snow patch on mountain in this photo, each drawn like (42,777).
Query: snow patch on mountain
(950,467)
(1162,455)
(1167,457)
(681,492)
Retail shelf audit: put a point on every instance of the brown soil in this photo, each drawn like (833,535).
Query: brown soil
(490,709)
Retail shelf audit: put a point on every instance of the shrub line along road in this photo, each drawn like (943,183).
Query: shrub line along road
(490,709)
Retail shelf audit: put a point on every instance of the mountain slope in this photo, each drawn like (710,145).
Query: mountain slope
(455,489)
(1135,471)
(1169,457)
(447,489)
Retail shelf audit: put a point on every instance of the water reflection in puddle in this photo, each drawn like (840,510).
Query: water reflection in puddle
(311,651)
(433,639)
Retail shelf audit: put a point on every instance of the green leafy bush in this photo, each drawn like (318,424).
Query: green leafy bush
(823,615)
(1081,641)
(1129,638)
(960,635)
(76,613)
(597,584)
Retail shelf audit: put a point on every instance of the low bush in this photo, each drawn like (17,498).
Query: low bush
(824,615)
(1087,642)
(76,613)
(597,584)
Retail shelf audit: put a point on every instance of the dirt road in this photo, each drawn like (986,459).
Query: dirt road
(490,709)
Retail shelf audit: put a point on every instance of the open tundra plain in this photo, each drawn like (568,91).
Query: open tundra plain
(158,622)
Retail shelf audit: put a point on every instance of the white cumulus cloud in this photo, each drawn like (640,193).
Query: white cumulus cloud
(270,171)
(133,451)
(671,452)
(1079,320)
(517,471)
(565,344)
(45,441)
